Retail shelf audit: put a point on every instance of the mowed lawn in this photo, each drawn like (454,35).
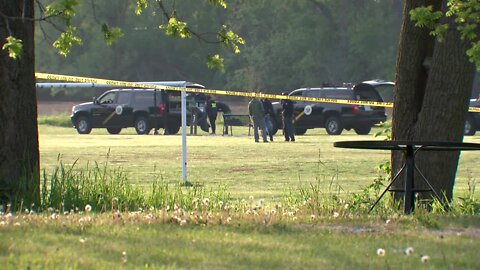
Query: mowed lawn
(251,239)
(262,170)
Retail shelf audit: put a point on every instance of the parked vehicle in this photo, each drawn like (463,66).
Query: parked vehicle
(143,109)
(472,124)
(337,117)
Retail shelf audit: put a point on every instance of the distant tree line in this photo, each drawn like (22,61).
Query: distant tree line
(289,44)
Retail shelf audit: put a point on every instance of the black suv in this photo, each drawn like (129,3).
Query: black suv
(473,119)
(143,109)
(337,117)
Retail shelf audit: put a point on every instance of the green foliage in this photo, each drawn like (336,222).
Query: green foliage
(66,40)
(176,28)
(141,5)
(425,17)
(111,34)
(385,130)
(64,9)
(467,18)
(14,47)
(215,62)
(221,3)
(229,39)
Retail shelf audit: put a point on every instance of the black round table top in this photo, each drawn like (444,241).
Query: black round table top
(401,145)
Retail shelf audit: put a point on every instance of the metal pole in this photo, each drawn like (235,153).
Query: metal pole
(184,134)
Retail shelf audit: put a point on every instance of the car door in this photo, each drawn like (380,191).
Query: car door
(123,110)
(103,109)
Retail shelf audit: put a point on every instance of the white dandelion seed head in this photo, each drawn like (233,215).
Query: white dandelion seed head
(273,211)
(183,222)
(346,206)
(250,198)
(425,259)
(88,208)
(336,214)
(313,217)
(381,252)
(387,221)
(124,253)
(82,240)
(409,251)
(206,201)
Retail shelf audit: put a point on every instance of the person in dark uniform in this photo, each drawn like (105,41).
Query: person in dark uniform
(287,119)
(268,108)
(212,111)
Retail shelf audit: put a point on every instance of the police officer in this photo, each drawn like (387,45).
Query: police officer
(212,111)
(287,118)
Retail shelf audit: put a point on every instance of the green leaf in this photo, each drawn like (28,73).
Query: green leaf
(64,9)
(221,3)
(215,62)
(14,47)
(111,34)
(66,40)
(176,28)
(229,39)
(141,5)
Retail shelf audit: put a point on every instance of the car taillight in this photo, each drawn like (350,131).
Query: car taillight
(161,109)
(355,109)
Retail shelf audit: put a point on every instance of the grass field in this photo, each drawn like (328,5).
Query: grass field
(251,237)
(247,169)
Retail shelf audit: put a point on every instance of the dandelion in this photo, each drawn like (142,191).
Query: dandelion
(425,259)
(88,208)
(261,201)
(82,240)
(346,206)
(220,204)
(183,222)
(336,214)
(251,198)
(409,251)
(381,252)
(273,211)
(313,217)
(229,219)
(206,201)
(387,221)
(124,257)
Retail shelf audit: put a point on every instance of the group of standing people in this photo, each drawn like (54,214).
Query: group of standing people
(261,113)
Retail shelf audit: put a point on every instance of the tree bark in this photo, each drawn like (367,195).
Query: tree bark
(19,155)
(433,85)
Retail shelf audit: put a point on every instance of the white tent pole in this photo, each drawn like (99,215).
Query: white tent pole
(184,134)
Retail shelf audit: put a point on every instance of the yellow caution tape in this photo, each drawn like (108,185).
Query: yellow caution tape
(113,83)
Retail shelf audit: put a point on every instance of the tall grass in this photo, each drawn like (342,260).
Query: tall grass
(70,189)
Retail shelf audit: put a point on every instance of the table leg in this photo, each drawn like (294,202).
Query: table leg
(409,198)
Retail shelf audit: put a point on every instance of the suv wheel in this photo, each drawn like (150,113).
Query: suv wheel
(469,127)
(83,125)
(333,125)
(300,131)
(173,129)
(114,130)
(362,130)
(141,125)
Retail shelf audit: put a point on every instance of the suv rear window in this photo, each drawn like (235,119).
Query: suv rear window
(145,98)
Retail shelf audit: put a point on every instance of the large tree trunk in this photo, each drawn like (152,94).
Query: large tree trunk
(19,156)
(433,85)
